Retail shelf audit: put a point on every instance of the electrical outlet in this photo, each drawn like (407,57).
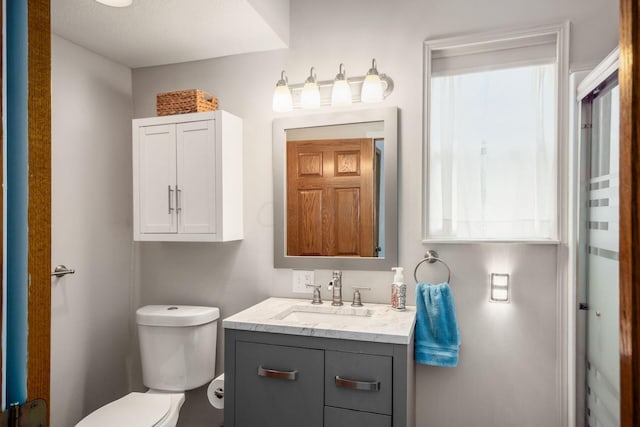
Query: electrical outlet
(301,279)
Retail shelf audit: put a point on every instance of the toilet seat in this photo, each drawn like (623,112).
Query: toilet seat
(136,410)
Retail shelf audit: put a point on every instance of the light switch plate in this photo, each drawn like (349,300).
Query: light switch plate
(302,278)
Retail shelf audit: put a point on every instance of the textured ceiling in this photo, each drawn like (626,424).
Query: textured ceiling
(156,32)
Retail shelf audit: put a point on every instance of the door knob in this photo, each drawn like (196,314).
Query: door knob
(61,270)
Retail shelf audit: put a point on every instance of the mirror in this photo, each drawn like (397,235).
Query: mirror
(335,190)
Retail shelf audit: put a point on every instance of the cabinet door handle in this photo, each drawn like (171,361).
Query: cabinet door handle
(281,375)
(357,385)
(178,199)
(169,198)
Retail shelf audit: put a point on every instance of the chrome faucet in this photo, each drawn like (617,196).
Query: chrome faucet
(335,286)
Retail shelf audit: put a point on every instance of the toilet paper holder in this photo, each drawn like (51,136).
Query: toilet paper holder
(215,392)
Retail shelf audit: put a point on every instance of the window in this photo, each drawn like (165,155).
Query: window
(492,115)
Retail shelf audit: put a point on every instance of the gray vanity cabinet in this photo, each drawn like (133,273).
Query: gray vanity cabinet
(289,381)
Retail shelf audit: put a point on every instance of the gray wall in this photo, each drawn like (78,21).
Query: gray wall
(92,352)
(510,370)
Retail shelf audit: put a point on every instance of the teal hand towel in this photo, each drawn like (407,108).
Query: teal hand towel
(437,338)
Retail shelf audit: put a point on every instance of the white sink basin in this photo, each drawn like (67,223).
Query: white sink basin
(324,314)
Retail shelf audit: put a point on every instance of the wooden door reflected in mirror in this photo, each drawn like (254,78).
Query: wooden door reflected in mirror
(333,197)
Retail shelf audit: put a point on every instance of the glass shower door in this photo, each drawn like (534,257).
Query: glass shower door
(600,204)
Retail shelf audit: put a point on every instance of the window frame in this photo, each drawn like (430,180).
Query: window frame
(510,37)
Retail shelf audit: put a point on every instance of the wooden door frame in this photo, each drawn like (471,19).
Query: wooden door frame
(629,77)
(39,208)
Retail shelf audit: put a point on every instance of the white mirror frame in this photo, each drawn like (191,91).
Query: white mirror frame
(388,115)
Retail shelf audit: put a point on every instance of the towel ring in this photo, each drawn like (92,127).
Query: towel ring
(431,256)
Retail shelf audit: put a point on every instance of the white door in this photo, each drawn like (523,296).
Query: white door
(157,179)
(196,165)
(600,204)
(93,310)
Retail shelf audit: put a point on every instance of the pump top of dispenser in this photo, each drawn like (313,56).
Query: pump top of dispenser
(398,278)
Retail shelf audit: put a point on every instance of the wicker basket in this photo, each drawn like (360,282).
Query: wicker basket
(185,101)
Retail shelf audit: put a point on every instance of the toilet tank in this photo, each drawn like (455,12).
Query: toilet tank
(177,345)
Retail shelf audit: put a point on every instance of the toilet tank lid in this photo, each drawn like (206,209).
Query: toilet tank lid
(176,315)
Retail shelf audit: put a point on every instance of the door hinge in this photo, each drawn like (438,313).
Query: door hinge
(30,414)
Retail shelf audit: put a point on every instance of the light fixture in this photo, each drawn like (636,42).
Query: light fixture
(310,97)
(341,92)
(500,288)
(282,101)
(372,85)
(116,3)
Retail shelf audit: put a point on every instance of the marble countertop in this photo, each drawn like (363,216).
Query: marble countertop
(373,322)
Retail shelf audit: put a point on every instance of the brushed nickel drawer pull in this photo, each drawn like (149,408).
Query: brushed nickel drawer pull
(281,375)
(357,385)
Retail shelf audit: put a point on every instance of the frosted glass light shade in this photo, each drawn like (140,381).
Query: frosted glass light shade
(310,97)
(372,85)
(116,3)
(341,93)
(372,89)
(282,101)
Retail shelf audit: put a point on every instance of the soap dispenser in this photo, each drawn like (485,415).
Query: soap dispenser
(398,290)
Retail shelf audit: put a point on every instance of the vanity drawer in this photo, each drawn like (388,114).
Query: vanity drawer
(279,385)
(336,417)
(358,381)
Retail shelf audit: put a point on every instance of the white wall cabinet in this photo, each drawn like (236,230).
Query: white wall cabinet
(187,178)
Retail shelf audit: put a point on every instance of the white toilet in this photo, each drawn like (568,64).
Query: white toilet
(178,352)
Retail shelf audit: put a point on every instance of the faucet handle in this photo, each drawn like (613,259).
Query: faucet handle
(357,298)
(317,299)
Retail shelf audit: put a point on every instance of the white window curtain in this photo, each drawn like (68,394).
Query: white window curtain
(493,155)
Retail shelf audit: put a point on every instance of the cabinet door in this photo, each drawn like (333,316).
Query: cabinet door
(359,381)
(196,189)
(278,386)
(157,178)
